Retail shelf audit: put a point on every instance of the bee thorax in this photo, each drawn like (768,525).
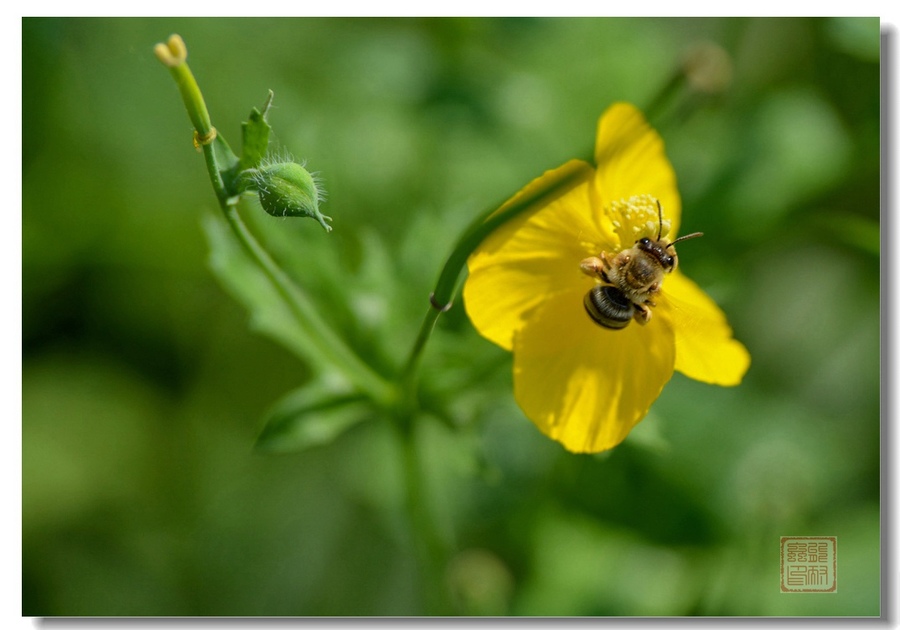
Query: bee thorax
(638,278)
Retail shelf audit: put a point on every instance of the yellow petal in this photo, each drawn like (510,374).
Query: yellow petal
(583,385)
(704,347)
(532,257)
(631,160)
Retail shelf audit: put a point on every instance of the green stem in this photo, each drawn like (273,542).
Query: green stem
(329,345)
(666,97)
(193,99)
(215,176)
(554,184)
(429,550)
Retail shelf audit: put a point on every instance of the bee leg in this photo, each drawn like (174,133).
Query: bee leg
(642,314)
(593,266)
(607,267)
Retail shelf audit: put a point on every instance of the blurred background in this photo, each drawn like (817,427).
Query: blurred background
(144,388)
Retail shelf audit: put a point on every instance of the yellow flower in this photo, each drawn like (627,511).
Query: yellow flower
(582,384)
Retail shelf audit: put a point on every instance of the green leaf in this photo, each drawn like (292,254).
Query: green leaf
(310,416)
(256,136)
(228,163)
(246,282)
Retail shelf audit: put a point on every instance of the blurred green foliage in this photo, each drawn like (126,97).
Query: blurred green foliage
(144,389)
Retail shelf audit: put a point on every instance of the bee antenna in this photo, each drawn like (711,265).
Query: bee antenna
(684,238)
(659,208)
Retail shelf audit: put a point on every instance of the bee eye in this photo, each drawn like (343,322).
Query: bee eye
(644,241)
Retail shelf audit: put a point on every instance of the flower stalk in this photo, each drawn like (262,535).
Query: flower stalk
(529,200)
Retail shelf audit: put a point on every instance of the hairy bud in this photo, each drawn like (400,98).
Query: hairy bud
(286,189)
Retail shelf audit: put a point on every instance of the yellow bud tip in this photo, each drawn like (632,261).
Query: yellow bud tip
(173,53)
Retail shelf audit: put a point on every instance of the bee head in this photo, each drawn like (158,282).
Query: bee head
(659,250)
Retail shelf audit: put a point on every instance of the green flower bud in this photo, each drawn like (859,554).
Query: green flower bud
(286,189)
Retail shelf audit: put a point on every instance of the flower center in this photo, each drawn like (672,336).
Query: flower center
(635,218)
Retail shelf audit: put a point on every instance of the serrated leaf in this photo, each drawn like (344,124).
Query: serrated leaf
(311,416)
(256,136)
(244,280)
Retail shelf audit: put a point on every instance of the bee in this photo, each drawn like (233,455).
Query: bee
(630,279)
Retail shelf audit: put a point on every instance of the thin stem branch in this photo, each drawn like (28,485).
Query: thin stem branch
(328,344)
(552,185)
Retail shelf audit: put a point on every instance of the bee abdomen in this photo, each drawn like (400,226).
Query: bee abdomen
(608,307)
